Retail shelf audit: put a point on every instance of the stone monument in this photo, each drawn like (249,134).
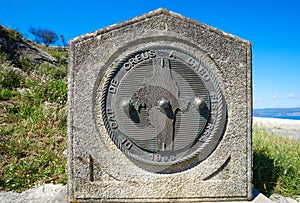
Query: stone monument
(160,109)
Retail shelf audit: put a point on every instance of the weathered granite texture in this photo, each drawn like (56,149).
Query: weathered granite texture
(99,171)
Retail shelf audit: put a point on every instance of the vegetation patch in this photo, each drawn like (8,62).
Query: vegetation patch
(32,123)
(276,164)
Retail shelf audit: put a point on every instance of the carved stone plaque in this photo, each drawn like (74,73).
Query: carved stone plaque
(163,106)
(159,110)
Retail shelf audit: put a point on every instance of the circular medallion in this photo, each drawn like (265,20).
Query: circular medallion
(163,108)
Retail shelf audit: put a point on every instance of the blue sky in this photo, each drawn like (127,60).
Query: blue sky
(273,27)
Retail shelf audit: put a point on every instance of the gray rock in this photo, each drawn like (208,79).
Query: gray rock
(46,193)
(281,199)
(17,49)
(35,54)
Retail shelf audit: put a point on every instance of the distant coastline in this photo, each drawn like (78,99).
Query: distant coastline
(280,113)
(281,117)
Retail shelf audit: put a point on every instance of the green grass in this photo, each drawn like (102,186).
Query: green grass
(276,166)
(6,94)
(32,125)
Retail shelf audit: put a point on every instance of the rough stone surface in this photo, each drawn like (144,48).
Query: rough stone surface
(58,194)
(281,199)
(99,171)
(46,193)
(35,54)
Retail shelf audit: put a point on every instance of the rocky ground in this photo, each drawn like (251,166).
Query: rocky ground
(58,193)
(285,127)
(46,193)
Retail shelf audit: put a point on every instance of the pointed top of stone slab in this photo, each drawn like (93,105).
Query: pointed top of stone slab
(159,13)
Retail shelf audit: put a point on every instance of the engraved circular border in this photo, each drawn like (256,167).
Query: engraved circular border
(221,117)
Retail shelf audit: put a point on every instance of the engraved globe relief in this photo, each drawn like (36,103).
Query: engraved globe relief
(164,109)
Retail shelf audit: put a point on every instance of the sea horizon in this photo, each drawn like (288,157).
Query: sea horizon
(280,117)
(280,113)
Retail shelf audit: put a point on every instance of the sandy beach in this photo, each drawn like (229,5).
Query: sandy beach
(285,127)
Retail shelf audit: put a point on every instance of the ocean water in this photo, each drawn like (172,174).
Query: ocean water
(282,117)
(281,113)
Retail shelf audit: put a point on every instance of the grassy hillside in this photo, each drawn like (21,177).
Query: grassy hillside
(32,117)
(33,129)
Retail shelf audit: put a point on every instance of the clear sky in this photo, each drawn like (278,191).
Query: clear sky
(273,27)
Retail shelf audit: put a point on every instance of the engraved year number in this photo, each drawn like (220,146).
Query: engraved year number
(162,158)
